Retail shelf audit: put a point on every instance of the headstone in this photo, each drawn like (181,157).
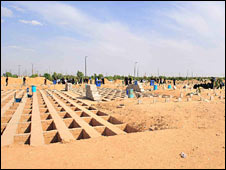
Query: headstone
(166,100)
(154,100)
(211,98)
(206,100)
(179,99)
(136,87)
(181,95)
(92,93)
(68,86)
(164,87)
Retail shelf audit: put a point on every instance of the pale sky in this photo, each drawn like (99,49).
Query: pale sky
(172,37)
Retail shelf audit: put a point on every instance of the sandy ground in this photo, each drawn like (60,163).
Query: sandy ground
(196,128)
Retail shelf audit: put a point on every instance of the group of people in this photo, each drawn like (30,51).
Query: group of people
(73,81)
(63,81)
(157,80)
(128,81)
(214,84)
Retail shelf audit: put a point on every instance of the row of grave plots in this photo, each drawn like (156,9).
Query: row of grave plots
(59,114)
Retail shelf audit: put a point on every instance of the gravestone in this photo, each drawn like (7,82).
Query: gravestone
(92,93)
(68,86)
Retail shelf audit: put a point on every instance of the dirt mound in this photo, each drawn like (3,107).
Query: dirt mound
(29,81)
(118,81)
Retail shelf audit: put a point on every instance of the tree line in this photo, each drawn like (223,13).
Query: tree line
(80,75)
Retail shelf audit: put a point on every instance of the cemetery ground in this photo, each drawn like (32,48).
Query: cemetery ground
(62,129)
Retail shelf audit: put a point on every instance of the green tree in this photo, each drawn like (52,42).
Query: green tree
(109,77)
(15,76)
(59,76)
(100,76)
(8,74)
(48,76)
(80,75)
(54,76)
(34,75)
(95,75)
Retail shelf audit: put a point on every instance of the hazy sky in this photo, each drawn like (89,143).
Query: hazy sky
(172,37)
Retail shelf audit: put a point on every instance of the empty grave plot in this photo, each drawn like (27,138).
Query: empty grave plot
(82,114)
(3,126)
(48,125)
(92,121)
(25,118)
(71,123)
(24,128)
(52,137)
(46,116)
(113,120)
(64,115)
(9,112)
(104,131)
(5,119)
(99,113)
(22,139)
(79,134)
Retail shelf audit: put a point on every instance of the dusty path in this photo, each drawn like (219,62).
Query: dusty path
(158,149)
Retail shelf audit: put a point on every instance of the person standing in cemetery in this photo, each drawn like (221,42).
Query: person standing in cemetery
(45,81)
(24,81)
(73,81)
(174,82)
(213,79)
(160,81)
(102,80)
(6,81)
(63,81)
(130,80)
(221,84)
(157,80)
(126,81)
(80,81)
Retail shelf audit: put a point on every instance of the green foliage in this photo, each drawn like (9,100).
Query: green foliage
(8,74)
(95,75)
(34,75)
(14,76)
(54,76)
(59,76)
(48,76)
(109,77)
(80,75)
(116,77)
(100,76)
